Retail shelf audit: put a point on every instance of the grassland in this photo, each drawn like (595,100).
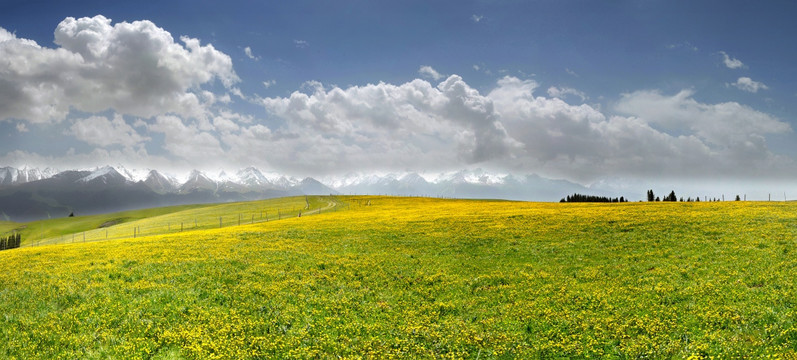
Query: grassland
(163,220)
(42,229)
(421,278)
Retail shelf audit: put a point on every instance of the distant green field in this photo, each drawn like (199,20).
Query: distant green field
(42,229)
(7,226)
(414,278)
(159,220)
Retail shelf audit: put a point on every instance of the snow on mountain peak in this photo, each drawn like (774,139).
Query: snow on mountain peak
(251,176)
(104,173)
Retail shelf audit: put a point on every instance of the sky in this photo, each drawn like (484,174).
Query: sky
(623,93)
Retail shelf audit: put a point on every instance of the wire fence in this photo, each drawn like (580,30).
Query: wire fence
(137,229)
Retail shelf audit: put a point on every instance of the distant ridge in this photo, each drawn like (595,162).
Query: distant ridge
(30,193)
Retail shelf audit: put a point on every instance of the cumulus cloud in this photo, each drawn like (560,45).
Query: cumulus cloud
(412,124)
(731,63)
(734,134)
(104,132)
(659,135)
(477,18)
(187,141)
(269,83)
(724,124)
(248,52)
(429,72)
(21,127)
(557,92)
(301,44)
(749,85)
(420,126)
(134,68)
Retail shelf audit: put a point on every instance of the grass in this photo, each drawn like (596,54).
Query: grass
(421,278)
(42,229)
(159,220)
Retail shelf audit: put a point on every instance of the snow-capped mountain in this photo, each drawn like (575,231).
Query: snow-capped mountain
(161,183)
(475,183)
(12,176)
(31,193)
(252,177)
(197,181)
(105,175)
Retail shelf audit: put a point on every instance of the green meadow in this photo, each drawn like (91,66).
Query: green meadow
(383,277)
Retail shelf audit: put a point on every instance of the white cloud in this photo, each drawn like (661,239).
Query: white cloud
(663,136)
(187,141)
(731,63)
(749,85)
(133,68)
(557,92)
(301,44)
(248,52)
(476,67)
(269,83)
(100,131)
(21,127)
(477,18)
(429,72)
(571,72)
(410,125)
(734,133)
(418,126)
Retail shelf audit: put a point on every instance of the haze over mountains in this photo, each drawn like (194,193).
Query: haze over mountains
(29,194)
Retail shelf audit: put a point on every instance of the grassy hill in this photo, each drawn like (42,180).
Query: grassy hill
(162,220)
(35,231)
(421,278)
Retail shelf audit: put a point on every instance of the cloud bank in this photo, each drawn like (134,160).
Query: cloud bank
(136,96)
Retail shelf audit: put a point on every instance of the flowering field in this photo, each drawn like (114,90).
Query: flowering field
(421,278)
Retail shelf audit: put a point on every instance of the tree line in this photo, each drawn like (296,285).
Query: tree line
(592,198)
(10,242)
(650,197)
(671,197)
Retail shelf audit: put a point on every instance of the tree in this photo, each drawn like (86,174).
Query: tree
(738,198)
(671,197)
(651,197)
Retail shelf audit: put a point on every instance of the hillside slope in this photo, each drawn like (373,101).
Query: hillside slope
(421,278)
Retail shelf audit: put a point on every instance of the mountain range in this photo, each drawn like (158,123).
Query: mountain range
(29,193)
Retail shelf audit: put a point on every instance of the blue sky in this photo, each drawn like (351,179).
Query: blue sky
(581,90)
